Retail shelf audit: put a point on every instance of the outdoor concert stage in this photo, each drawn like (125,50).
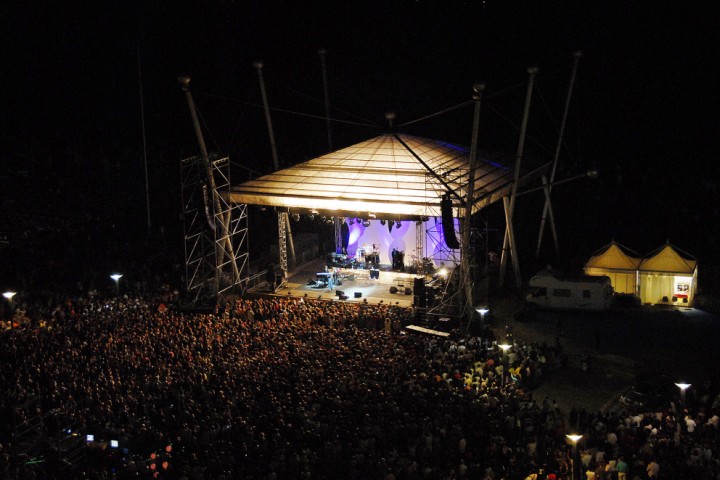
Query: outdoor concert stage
(356,284)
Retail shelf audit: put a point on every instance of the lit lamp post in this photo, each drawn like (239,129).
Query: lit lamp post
(482,311)
(117,277)
(683,387)
(9,296)
(574,438)
(504,347)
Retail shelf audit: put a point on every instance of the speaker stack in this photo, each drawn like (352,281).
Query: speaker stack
(419,299)
(447,223)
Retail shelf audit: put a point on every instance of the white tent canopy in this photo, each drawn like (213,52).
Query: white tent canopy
(615,261)
(662,276)
(668,277)
(394,176)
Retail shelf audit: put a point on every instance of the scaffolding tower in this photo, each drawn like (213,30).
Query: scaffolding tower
(216,242)
(452,303)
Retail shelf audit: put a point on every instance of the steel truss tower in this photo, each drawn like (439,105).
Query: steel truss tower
(282,223)
(216,242)
(453,302)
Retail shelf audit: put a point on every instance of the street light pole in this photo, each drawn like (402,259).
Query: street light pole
(574,438)
(116,277)
(682,386)
(505,348)
(9,296)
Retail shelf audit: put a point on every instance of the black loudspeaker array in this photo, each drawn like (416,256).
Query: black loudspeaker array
(419,297)
(447,222)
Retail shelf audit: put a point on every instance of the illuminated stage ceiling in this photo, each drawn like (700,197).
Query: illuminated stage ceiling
(393,176)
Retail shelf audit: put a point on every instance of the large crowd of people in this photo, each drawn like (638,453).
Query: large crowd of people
(275,388)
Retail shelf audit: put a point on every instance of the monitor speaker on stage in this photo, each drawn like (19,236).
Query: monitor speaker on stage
(448,224)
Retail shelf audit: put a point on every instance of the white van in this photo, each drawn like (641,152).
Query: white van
(551,290)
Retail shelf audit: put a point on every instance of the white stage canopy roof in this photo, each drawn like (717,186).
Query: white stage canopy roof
(393,176)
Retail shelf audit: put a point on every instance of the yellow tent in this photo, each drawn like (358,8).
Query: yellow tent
(614,261)
(665,276)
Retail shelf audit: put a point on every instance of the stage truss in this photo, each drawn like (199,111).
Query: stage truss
(435,190)
(216,242)
(453,303)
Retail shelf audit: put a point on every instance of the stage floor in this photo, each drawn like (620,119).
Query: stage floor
(354,282)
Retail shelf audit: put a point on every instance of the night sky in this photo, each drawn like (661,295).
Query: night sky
(644,111)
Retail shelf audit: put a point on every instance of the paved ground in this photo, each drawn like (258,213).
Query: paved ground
(680,342)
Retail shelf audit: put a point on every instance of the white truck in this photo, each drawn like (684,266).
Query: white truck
(550,289)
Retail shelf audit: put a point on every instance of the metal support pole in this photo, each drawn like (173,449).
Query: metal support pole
(185,82)
(268,120)
(338,235)
(468,285)
(276,160)
(575,473)
(282,247)
(509,239)
(420,247)
(144,141)
(323,64)
(507,244)
(548,212)
(290,242)
(547,207)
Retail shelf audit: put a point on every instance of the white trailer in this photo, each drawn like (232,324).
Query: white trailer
(552,290)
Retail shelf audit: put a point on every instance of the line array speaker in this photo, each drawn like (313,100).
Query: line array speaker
(447,223)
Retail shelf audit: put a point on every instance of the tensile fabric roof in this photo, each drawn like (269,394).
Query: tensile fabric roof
(395,176)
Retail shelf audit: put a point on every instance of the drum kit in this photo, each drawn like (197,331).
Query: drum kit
(369,255)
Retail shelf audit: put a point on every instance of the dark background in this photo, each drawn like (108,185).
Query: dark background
(644,112)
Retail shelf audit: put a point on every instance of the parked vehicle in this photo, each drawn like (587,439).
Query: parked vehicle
(550,289)
(648,393)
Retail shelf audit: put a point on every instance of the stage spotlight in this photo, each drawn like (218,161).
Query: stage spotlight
(330,220)
(398,224)
(382,221)
(357,220)
(366,223)
(323,218)
(311,217)
(296,217)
